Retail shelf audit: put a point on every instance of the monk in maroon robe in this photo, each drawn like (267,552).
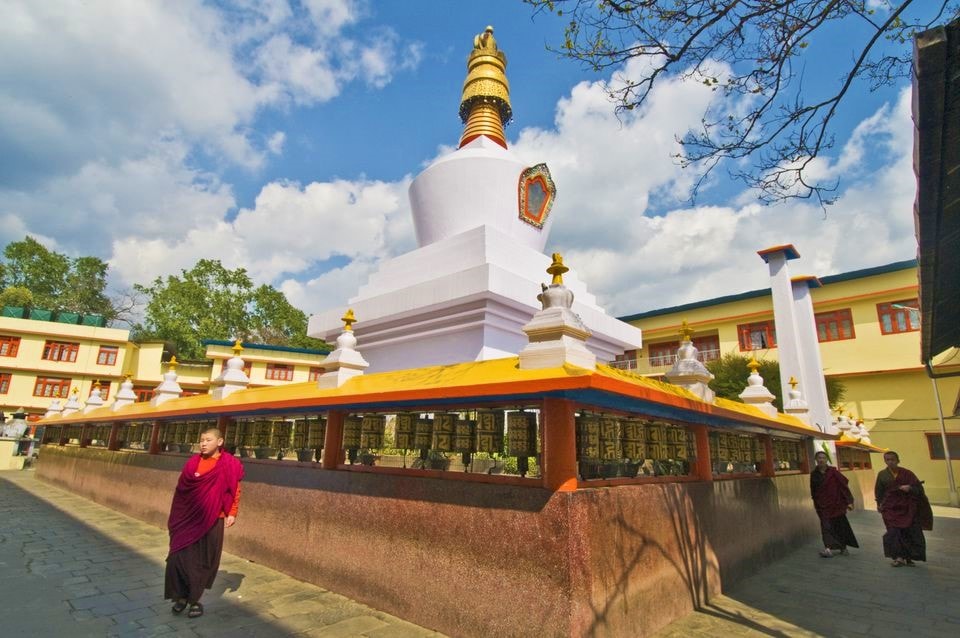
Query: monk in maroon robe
(205,501)
(906,512)
(832,499)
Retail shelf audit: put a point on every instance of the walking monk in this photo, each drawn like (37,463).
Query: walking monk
(905,510)
(205,501)
(832,499)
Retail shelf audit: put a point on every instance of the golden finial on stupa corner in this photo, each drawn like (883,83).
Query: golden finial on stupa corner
(793,383)
(76,390)
(96,385)
(173,363)
(557,269)
(485,102)
(754,365)
(237,347)
(348,320)
(686,332)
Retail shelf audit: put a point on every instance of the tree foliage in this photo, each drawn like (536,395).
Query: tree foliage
(777,128)
(730,379)
(212,302)
(53,280)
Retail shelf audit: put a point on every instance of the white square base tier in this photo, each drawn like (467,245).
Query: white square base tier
(464,298)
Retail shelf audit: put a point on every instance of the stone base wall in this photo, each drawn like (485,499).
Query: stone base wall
(471,559)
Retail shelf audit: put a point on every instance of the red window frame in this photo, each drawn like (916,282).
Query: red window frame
(104,389)
(9,346)
(52,387)
(60,351)
(708,346)
(953,440)
(107,355)
(904,318)
(143,393)
(315,374)
(662,354)
(834,326)
(765,329)
(5,378)
(279,372)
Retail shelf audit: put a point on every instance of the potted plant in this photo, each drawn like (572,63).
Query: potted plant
(369,458)
(305,454)
(265,452)
(437,461)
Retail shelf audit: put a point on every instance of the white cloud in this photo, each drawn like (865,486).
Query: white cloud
(276,141)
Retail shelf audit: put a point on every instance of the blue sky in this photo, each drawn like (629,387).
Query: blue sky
(281,137)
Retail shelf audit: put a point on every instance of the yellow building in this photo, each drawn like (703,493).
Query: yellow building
(43,357)
(869,331)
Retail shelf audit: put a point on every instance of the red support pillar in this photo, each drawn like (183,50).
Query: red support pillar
(113,443)
(559,445)
(84,441)
(64,431)
(766,466)
(155,438)
(333,440)
(701,438)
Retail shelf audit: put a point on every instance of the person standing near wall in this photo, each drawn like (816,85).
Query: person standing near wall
(205,502)
(832,499)
(906,512)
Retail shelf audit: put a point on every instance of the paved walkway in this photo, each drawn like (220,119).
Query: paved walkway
(856,595)
(70,567)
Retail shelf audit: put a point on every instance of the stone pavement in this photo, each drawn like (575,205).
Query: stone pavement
(70,567)
(856,595)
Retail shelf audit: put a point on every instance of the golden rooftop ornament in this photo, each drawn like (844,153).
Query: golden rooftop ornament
(685,331)
(793,383)
(557,269)
(173,363)
(237,348)
(485,103)
(348,320)
(753,365)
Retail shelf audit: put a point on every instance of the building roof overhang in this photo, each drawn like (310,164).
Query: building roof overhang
(936,115)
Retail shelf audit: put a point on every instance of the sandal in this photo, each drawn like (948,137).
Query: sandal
(910,563)
(826,553)
(179,606)
(898,562)
(196,610)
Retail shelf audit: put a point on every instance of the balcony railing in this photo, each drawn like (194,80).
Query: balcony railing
(661,363)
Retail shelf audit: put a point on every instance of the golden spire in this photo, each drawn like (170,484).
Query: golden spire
(685,331)
(557,269)
(237,347)
(485,104)
(753,365)
(793,383)
(348,320)
(173,363)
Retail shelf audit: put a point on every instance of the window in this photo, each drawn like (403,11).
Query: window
(247,367)
(53,387)
(314,374)
(9,346)
(279,372)
(834,326)
(757,336)
(663,354)
(708,347)
(60,351)
(935,443)
(899,316)
(4,382)
(104,389)
(107,355)
(143,393)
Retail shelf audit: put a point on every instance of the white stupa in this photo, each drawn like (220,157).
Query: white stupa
(482,218)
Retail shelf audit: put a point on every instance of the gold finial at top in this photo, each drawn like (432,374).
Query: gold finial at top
(173,363)
(348,320)
(754,365)
(793,383)
(485,102)
(237,347)
(76,390)
(557,269)
(686,332)
(96,385)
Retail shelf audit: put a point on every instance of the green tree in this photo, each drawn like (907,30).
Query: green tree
(16,296)
(212,302)
(779,123)
(55,281)
(730,379)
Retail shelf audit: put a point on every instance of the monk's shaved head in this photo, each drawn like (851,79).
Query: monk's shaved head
(217,434)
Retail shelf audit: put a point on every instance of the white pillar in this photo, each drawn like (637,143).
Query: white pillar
(813,382)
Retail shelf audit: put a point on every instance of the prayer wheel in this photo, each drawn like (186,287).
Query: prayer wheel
(610,449)
(444,428)
(352,429)
(588,437)
(522,434)
(372,428)
(489,431)
(405,428)
(423,435)
(634,439)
